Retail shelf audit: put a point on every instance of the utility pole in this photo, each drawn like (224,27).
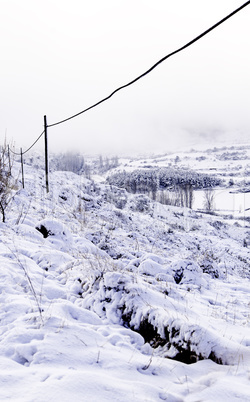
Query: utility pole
(9,158)
(21,151)
(46,155)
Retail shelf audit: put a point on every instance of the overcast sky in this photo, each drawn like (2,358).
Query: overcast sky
(59,57)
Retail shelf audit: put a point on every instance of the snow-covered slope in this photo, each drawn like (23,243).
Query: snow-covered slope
(144,302)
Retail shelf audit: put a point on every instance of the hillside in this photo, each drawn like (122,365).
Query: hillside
(112,296)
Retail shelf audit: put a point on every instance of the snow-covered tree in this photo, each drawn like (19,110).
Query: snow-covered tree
(72,162)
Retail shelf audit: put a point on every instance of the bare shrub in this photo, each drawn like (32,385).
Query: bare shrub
(7,184)
(208,201)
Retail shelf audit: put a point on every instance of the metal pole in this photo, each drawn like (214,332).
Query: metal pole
(46,155)
(21,151)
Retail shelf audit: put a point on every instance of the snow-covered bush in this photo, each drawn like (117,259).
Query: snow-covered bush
(188,272)
(162,318)
(117,196)
(140,203)
(67,197)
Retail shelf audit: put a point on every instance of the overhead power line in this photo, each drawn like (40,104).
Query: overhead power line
(34,143)
(140,76)
(155,65)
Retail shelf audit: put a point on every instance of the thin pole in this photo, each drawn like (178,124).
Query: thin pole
(21,151)
(9,158)
(46,155)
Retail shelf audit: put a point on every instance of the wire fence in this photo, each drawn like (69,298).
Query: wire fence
(128,84)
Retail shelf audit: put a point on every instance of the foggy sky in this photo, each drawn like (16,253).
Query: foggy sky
(59,57)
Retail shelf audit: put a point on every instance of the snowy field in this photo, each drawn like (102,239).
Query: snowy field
(134,304)
(226,202)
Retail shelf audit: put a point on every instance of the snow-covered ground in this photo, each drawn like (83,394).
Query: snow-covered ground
(143,303)
(226,201)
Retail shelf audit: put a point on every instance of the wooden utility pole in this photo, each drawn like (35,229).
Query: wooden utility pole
(46,154)
(21,151)
(9,158)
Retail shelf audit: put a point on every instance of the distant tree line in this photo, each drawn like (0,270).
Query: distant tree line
(75,162)
(70,161)
(144,180)
(106,164)
(167,185)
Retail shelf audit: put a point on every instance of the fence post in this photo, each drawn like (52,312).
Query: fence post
(46,154)
(21,151)
(9,158)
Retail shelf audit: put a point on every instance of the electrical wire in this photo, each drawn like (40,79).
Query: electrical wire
(155,65)
(34,143)
(140,76)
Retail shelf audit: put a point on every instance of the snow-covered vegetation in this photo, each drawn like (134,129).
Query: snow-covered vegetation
(108,295)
